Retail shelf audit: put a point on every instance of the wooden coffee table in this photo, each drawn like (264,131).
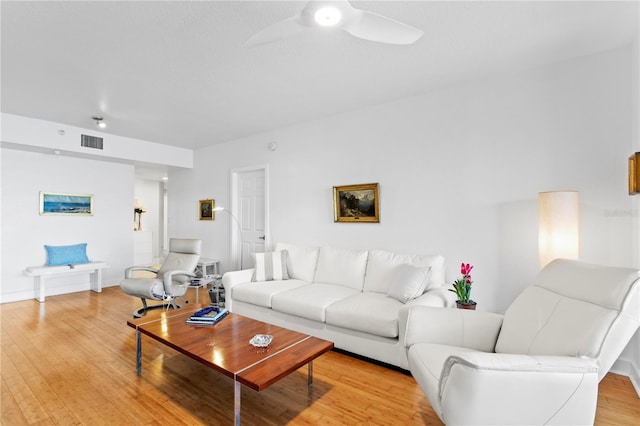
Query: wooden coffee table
(225,347)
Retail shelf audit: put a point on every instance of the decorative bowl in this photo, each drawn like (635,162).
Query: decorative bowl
(261,340)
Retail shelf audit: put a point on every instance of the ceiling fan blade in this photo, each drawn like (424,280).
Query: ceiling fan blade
(374,27)
(277,31)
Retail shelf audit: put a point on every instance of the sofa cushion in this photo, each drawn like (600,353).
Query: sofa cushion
(408,282)
(301,261)
(341,267)
(381,269)
(310,301)
(261,293)
(270,266)
(372,313)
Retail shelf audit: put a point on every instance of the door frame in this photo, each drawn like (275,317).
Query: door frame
(235,244)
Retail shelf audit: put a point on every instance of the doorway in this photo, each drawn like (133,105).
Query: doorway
(250,205)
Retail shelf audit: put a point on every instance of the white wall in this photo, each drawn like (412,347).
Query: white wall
(459,172)
(108,232)
(28,166)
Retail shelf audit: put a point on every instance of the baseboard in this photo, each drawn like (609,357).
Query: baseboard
(29,295)
(50,291)
(629,369)
(54,289)
(17,296)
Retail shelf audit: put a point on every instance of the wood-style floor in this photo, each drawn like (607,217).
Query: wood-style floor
(71,361)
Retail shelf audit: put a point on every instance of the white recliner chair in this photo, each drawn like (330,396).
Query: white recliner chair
(540,363)
(171,281)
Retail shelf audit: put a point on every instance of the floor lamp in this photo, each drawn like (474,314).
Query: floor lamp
(559,226)
(222,209)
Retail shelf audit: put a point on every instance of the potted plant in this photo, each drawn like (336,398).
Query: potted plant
(462,288)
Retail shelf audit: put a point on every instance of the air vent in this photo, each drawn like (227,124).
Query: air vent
(91,142)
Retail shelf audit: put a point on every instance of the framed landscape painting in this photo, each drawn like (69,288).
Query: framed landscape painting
(356,203)
(53,203)
(206,209)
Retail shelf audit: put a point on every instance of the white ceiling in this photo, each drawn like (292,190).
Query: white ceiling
(177,72)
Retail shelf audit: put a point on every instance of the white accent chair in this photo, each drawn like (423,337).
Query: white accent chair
(541,362)
(172,280)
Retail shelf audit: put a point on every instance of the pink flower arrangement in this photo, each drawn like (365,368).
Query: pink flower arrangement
(462,286)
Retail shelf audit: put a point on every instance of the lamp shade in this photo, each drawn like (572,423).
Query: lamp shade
(558,226)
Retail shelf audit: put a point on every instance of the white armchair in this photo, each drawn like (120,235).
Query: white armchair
(541,362)
(170,281)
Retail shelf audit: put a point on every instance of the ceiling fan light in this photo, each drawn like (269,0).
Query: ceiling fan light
(101,124)
(327,16)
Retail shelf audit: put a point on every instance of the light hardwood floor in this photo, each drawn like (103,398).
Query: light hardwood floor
(71,361)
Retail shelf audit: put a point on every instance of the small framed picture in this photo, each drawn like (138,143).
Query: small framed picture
(356,203)
(206,209)
(634,174)
(54,203)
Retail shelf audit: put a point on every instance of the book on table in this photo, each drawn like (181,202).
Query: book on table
(209,315)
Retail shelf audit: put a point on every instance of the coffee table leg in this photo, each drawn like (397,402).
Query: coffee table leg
(138,352)
(310,374)
(237,394)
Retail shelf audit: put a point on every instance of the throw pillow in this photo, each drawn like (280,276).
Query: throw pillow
(409,282)
(270,266)
(301,261)
(66,255)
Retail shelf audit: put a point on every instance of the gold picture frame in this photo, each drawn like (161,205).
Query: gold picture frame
(356,203)
(206,209)
(634,174)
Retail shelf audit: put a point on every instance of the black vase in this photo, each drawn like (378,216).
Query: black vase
(466,305)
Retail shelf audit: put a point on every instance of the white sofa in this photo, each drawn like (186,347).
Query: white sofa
(342,295)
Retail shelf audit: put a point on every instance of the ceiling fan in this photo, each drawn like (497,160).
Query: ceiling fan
(341,15)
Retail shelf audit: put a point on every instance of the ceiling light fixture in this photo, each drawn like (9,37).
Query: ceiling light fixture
(101,124)
(327,16)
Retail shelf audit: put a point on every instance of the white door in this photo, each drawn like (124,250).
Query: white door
(249,205)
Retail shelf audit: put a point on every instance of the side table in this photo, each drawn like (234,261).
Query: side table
(207,267)
(206,273)
(200,282)
(216,293)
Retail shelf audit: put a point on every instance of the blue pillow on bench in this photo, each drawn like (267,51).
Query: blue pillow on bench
(66,255)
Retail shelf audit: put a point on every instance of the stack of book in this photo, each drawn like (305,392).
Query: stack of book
(207,316)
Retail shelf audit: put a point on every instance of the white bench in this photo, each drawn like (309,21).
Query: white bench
(41,273)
